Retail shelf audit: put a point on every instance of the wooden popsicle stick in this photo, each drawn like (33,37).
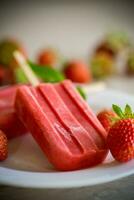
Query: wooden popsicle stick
(32,78)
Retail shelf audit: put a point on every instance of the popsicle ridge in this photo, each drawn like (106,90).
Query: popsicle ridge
(57,124)
(85,109)
(80,116)
(67,119)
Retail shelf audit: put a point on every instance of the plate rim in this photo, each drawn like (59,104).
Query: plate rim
(22,175)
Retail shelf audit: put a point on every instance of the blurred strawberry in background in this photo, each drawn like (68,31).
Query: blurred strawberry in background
(48,57)
(77,71)
(7,62)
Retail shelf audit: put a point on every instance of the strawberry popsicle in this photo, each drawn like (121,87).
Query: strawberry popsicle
(7,96)
(62,124)
(9,122)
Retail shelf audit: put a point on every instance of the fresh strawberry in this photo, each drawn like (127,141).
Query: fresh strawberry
(77,71)
(3,146)
(121,135)
(105,118)
(48,57)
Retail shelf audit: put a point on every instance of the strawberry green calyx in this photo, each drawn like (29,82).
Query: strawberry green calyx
(126,114)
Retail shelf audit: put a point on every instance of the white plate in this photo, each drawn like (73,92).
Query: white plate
(26,165)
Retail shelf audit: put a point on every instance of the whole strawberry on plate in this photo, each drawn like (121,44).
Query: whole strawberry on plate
(104,117)
(121,135)
(3,146)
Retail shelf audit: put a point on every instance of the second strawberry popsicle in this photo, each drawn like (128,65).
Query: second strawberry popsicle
(62,124)
(9,122)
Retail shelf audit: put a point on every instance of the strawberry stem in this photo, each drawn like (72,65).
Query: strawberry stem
(123,115)
(118,111)
(128,111)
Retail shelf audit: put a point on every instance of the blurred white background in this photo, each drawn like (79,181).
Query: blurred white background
(71,26)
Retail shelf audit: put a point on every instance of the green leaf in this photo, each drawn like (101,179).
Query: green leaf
(81,91)
(123,115)
(46,73)
(128,112)
(118,111)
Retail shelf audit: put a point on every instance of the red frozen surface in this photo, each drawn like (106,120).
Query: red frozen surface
(9,122)
(63,125)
